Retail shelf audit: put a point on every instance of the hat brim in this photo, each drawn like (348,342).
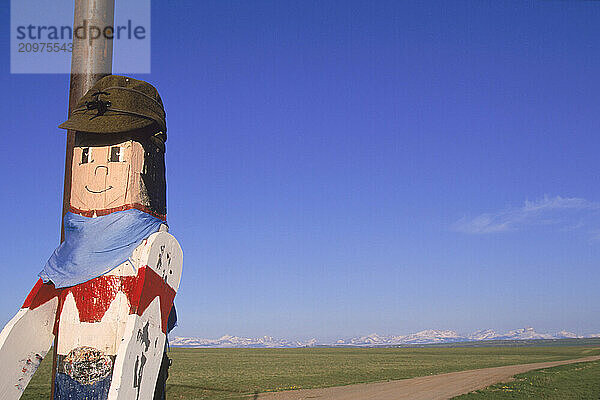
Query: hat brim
(108,123)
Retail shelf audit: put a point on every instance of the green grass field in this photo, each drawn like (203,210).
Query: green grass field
(238,373)
(575,381)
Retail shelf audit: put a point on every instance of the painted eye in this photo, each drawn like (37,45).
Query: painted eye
(85,155)
(116,154)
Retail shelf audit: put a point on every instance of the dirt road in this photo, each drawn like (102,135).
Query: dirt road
(443,386)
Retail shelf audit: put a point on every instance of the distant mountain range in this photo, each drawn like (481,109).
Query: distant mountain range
(423,337)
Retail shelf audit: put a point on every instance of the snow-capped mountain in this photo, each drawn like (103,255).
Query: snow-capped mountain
(369,340)
(567,335)
(483,334)
(239,342)
(429,336)
(422,337)
(524,334)
(433,336)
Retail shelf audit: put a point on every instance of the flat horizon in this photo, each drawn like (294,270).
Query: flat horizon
(337,167)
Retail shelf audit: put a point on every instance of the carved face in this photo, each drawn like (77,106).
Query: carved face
(111,172)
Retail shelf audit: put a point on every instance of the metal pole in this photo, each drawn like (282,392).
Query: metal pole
(90,61)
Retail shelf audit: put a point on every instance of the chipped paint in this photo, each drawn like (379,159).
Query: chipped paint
(109,323)
(24,342)
(139,356)
(138,373)
(30,365)
(143,337)
(98,213)
(86,365)
(100,292)
(105,325)
(125,316)
(94,297)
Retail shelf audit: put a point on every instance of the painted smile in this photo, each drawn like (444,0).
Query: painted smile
(96,192)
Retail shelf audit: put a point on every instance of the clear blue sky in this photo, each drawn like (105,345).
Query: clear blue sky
(339,168)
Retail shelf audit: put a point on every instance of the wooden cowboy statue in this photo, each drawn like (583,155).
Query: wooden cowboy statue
(105,296)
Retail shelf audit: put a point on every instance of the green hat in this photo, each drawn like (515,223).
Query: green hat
(117,104)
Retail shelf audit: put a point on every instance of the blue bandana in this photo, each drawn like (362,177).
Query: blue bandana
(94,246)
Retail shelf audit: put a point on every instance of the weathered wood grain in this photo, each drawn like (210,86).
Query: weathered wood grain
(103,183)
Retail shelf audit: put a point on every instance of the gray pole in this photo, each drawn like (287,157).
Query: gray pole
(91,60)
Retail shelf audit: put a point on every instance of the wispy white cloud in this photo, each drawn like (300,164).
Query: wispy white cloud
(563,212)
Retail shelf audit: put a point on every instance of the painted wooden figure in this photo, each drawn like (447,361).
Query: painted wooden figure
(105,297)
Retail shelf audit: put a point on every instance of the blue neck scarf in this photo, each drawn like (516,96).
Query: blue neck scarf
(94,246)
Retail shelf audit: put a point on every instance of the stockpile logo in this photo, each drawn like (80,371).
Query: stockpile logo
(43,37)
